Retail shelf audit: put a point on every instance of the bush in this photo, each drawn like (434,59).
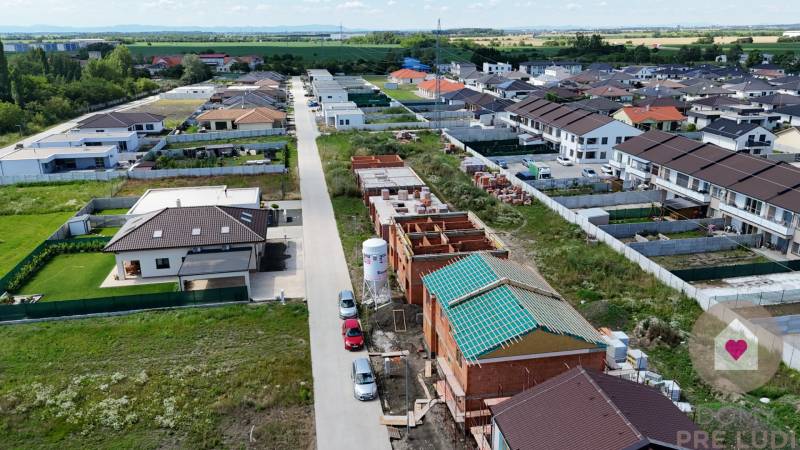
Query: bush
(341,182)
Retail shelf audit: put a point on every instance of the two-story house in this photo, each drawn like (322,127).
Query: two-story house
(739,137)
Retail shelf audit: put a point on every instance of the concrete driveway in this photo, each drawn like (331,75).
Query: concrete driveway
(342,422)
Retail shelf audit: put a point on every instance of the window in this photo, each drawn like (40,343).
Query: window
(591,141)
(683,180)
(162,263)
(591,155)
(716,192)
(602,155)
(580,141)
(149,126)
(139,127)
(667,174)
(99,162)
(753,206)
(604,141)
(572,138)
(619,140)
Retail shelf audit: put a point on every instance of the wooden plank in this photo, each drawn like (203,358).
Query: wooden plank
(394,433)
(394,420)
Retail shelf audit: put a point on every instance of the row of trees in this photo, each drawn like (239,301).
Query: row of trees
(39,89)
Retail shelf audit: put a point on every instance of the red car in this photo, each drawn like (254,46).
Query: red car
(353,337)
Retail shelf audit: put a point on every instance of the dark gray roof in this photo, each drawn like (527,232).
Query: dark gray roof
(550,63)
(583,409)
(516,85)
(252,77)
(598,105)
(174,227)
(601,66)
(491,80)
(119,119)
(753,84)
(215,262)
(777,100)
(705,88)
(793,110)
(729,128)
(718,100)
(566,117)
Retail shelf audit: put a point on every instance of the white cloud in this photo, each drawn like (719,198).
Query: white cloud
(352,4)
(572,6)
(391,2)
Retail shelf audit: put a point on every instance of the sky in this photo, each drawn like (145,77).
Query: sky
(397,14)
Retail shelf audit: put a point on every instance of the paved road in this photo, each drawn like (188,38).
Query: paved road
(342,422)
(62,127)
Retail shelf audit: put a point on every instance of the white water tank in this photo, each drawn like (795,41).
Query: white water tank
(376,259)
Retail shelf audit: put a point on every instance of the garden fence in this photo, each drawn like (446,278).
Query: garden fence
(738,270)
(122,303)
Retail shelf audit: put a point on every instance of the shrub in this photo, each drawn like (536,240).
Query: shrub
(341,182)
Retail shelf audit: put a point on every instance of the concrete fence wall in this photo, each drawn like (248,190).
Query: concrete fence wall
(410,125)
(205,172)
(624,230)
(695,245)
(791,354)
(101,203)
(66,176)
(480,134)
(217,135)
(108,221)
(431,115)
(564,183)
(616,198)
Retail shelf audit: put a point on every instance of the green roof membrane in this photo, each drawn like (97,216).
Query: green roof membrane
(498,316)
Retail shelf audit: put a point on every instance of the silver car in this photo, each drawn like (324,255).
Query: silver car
(364,386)
(347,305)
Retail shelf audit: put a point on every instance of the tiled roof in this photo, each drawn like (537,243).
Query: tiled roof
(608,91)
(242,116)
(496,301)
(583,409)
(407,73)
(729,128)
(571,119)
(639,114)
(777,100)
(119,119)
(175,227)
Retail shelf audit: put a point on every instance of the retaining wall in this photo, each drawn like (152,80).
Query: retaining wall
(616,198)
(624,230)
(695,245)
(217,135)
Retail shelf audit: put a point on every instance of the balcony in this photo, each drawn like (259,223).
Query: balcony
(616,164)
(639,173)
(761,222)
(702,197)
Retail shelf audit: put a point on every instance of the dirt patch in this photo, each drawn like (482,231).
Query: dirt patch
(254,428)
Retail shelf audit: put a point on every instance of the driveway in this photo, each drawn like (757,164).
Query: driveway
(342,422)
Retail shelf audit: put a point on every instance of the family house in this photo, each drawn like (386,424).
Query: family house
(221,244)
(427,88)
(242,119)
(666,118)
(116,122)
(407,76)
(496,328)
(45,160)
(125,141)
(739,137)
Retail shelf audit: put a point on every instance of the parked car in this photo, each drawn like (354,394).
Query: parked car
(364,386)
(527,161)
(588,172)
(352,335)
(347,305)
(563,160)
(502,163)
(312,104)
(607,169)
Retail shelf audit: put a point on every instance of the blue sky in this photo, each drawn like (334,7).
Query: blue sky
(397,14)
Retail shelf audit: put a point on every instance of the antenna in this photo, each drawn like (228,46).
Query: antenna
(436,109)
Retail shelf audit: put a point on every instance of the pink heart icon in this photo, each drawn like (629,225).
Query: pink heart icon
(736,348)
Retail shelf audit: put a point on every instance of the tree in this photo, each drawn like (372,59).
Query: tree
(239,66)
(754,58)
(734,53)
(121,61)
(710,53)
(64,68)
(194,70)
(5,81)
(11,116)
(641,54)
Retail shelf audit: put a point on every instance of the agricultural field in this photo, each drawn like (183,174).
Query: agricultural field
(237,376)
(403,91)
(75,276)
(520,40)
(20,234)
(309,51)
(176,110)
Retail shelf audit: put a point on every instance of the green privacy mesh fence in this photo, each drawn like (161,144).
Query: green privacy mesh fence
(121,303)
(738,270)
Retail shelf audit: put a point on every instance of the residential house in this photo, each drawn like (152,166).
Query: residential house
(791,88)
(347,119)
(497,68)
(748,88)
(375,181)
(213,59)
(250,99)
(47,160)
(598,105)
(753,194)
(658,91)
(704,89)
(407,76)
(517,75)
(585,409)
(680,105)
(610,93)
(192,92)
(489,82)
(789,115)
(384,208)
(219,244)
(773,101)
(470,77)
(537,68)
(428,89)
(154,200)
(665,118)
(767,70)
(788,140)
(740,113)
(495,329)
(459,67)
(252,62)
(242,119)
(579,135)
(514,89)
(420,244)
(640,72)
(115,122)
(552,76)
(125,141)
(739,137)
(161,63)
(601,67)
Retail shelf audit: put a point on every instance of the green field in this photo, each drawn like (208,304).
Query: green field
(20,234)
(197,378)
(403,91)
(78,276)
(309,51)
(42,198)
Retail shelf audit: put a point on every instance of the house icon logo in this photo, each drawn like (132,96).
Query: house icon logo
(736,348)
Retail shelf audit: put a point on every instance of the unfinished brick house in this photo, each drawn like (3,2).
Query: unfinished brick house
(372,182)
(496,328)
(375,161)
(420,244)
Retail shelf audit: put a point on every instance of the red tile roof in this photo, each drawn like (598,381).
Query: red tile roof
(403,74)
(169,61)
(638,114)
(444,86)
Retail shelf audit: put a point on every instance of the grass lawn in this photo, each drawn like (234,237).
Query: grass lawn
(270,184)
(19,234)
(292,142)
(198,378)
(78,276)
(403,91)
(112,212)
(52,197)
(710,259)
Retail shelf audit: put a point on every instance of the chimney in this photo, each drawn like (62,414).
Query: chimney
(178,203)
